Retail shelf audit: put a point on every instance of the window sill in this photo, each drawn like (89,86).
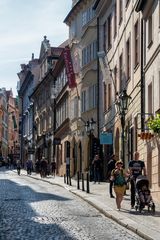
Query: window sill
(120,22)
(127,3)
(150,44)
(109,48)
(115,35)
(107,110)
(129,78)
(136,67)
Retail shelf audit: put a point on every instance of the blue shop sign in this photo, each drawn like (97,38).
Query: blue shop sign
(106,138)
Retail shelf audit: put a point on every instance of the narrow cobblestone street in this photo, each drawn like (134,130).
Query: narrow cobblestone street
(31,209)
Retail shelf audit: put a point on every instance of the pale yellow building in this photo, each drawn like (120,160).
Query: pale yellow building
(83,99)
(150,148)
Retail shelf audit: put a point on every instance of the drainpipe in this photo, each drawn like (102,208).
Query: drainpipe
(142,79)
(98,81)
(22,139)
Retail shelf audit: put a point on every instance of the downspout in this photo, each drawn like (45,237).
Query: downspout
(22,139)
(98,81)
(142,79)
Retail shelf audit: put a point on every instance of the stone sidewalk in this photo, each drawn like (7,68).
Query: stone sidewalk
(144,224)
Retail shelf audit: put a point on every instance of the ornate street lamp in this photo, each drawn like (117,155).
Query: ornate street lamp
(122,106)
(89,127)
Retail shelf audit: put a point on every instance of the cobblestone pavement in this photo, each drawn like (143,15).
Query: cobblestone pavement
(36,210)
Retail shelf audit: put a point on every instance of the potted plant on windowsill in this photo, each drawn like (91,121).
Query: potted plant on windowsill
(154,124)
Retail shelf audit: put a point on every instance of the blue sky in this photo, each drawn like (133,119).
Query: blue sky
(22,27)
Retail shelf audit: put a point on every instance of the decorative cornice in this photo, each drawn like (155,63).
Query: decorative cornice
(66,20)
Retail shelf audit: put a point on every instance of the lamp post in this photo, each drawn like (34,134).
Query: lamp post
(122,105)
(89,126)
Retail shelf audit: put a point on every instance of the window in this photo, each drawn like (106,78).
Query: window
(120,73)
(136,43)
(150,102)
(115,19)
(105,96)
(150,30)
(128,59)
(120,11)
(84,18)
(104,36)
(92,96)
(115,80)
(87,15)
(75,114)
(109,31)
(83,101)
(89,53)
(109,95)
(62,112)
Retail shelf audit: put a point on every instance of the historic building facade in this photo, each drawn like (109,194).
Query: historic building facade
(61,108)
(3,125)
(9,126)
(43,102)
(119,57)
(83,99)
(28,79)
(150,147)
(129,61)
(13,126)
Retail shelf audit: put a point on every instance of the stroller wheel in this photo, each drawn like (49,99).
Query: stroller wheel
(153,208)
(141,206)
(140,209)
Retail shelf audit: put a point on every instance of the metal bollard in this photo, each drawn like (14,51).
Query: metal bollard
(70,183)
(64,178)
(67,179)
(78,187)
(87,183)
(83,182)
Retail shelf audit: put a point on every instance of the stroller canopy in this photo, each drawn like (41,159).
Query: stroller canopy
(141,181)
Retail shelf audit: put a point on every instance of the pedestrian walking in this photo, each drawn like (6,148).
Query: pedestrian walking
(53,168)
(29,166)
(97,168)
(43,167)
(110,167)
(118,178)
(37,166)
(135,168)
(18,164)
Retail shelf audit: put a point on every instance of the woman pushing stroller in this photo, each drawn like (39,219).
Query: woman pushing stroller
(118,177)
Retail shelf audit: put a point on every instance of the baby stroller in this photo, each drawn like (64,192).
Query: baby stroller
(143,195)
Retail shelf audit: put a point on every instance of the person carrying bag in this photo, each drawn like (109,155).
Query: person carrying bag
(118,178)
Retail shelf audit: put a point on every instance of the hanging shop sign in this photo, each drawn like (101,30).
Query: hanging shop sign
(69,68)
(106,138)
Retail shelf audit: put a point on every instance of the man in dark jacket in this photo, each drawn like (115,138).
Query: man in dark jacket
(97,167)
(111,166)
(136,168)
